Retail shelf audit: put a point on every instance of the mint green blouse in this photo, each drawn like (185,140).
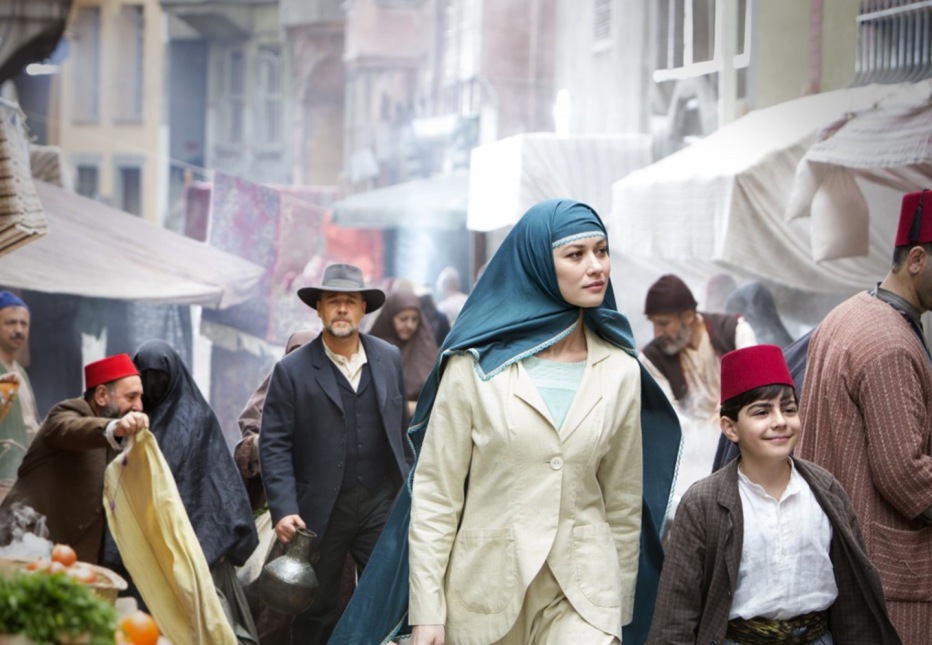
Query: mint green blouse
(557,383)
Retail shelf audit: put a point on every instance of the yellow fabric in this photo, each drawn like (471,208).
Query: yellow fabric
(159,547)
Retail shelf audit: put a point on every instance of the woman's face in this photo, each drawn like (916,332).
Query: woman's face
(406,322)
(154,387)
(583,269)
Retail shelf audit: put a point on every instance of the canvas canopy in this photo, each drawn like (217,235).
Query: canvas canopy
(722,202)
(95,250)
(433,202)
(509,176)
(889,144)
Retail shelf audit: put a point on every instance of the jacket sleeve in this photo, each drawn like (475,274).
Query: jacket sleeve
(69,427)
(275,455)
(438,492)
(681,595)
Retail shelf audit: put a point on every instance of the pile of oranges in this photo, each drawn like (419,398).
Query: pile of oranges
(135,628)
(65,560)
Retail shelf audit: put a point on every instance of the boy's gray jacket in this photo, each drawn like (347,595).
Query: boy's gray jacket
(703,553)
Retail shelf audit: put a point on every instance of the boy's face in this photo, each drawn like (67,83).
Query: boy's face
(766,429)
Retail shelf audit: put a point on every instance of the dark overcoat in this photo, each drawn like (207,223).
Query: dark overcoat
(700,572)
(302,442)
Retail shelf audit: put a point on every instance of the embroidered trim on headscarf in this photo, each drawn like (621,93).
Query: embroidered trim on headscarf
(578,236)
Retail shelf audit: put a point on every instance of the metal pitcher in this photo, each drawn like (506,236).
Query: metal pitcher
(288,583)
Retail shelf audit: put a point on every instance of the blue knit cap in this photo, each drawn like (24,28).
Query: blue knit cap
(7,299)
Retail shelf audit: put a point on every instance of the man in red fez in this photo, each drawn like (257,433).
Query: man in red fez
(867,417)
(62,474)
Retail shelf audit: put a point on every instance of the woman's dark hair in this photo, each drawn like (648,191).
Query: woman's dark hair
(732,406)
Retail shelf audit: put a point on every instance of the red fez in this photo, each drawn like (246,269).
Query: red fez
(109,369)
(752,367)
(915,219)
(669,295)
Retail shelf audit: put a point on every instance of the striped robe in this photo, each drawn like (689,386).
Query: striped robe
(867,419)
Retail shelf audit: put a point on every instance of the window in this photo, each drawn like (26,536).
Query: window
(602,20)
(894,43)
(128,189)
(86,79)
(270,96)
(461,55)
(88,181)
(692,38)
(128,81)
(235,98)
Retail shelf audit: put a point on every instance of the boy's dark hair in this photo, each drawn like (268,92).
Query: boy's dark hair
(732,406)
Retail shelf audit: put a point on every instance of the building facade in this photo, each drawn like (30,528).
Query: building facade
(109,115)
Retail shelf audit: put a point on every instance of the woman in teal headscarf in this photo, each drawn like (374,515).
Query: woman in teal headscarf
(541,322)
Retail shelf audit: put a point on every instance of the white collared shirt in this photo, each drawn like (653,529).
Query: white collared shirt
(785,569)
(350,367)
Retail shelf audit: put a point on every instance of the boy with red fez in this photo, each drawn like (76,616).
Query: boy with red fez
(62,474)
(867,405)
(767,549)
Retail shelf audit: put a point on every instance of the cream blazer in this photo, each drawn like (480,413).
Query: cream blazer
(498,491)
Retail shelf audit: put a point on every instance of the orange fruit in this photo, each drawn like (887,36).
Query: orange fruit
(40,564)
(83,572)
(139,628)
(64,554)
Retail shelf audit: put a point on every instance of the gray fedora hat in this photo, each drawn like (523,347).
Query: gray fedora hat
(344,278)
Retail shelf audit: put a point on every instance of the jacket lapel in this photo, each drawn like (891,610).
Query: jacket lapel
(590,388)
(528,392)
(730,499)
(323,372)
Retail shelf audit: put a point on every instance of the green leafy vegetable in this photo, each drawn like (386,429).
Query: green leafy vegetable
(54,608)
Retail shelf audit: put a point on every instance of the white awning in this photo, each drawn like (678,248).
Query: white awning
(723,200)
(94,250)
(434,202)
(509,176)
(890,145)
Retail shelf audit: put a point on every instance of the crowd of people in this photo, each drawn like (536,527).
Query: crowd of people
(511,467)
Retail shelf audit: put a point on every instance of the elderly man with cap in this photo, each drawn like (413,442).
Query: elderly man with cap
(62,474)
(867,417)
(18,425)
(684,357)
(333,451)
(685,353)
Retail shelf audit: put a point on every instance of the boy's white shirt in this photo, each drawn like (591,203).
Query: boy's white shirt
(785,569)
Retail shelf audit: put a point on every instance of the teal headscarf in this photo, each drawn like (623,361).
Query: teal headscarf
(514,311)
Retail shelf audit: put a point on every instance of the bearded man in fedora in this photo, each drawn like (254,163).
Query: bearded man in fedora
(333,451)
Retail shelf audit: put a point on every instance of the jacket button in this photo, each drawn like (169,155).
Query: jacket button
(556,463)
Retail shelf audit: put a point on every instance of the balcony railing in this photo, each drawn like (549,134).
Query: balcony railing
(894,41)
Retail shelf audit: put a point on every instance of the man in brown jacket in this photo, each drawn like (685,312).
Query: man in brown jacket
(867,418)
(62,474)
